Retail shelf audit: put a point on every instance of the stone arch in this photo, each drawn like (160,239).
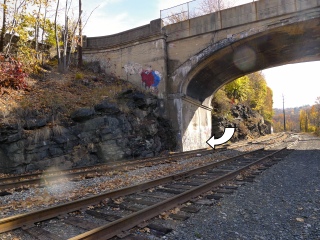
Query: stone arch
(203,74)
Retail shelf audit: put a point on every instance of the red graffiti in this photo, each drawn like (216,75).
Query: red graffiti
(147,78)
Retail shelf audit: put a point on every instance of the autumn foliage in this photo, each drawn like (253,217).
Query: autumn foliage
(12,74)
(299,119)
(310,118)
(250,90)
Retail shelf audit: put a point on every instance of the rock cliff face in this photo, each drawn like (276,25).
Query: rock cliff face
(129,129)
(248,124)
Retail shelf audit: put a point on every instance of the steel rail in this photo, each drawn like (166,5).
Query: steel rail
(21,176)
(39,178)
(112,229)
(93,168)
(27,219)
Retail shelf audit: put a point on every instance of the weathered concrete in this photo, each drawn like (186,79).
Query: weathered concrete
(194,58)
(126,55)
(195,117)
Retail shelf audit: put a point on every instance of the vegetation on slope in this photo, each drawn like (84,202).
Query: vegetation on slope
(250,90)
(56,94)
(246,104)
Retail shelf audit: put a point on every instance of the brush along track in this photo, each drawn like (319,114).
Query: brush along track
(195,181)
(40,178)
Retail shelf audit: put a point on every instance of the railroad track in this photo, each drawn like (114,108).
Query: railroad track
(141,202)
(40,178)
(20,181)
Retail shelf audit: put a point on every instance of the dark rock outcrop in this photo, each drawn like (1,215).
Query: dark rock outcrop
(247,122)
(90,136)
(82,114)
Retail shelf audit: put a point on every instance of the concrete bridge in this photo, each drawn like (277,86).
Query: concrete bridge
(187,62)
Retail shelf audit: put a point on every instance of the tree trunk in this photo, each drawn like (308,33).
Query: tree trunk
(306,127)
(44,28)
(65,45)
(80,36)
(3,30)
(57,39)
(37,27)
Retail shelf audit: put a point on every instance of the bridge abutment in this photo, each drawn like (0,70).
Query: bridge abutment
(191,121)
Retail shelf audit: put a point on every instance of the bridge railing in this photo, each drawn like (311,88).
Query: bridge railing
(261,10)
(192,9)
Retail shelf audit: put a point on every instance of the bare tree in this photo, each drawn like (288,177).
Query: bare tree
(68,37)
(209,6)
(44,25)
(56,33)
(177,17)
(18,11)
(203,7)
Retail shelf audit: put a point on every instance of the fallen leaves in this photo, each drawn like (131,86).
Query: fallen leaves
(166,215)
(299,219)
(118,201)
(175,210)
(145,230)
(90,207)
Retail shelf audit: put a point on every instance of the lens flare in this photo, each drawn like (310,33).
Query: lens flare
(55,182)
(245,58)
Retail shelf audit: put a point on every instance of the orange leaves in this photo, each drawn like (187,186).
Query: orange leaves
(12,74)
(166,215)
(118,201)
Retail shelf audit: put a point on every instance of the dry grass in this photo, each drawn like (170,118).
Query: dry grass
(59,94)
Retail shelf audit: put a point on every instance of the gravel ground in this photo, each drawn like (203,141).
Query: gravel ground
(217,218)
(282,203)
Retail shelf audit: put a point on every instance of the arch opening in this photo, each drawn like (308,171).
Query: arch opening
(284,45)
(293,43)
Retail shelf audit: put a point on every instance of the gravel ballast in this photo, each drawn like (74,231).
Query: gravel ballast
(282,203)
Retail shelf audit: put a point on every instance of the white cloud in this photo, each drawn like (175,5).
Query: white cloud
(168,4)
(108,2)
(102,24)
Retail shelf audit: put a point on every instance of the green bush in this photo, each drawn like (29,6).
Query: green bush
(79,76)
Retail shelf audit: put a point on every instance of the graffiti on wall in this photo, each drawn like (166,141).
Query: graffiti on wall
(133,68)
(150,78)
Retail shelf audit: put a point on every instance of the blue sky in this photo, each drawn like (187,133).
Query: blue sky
(299,83)
(114,16)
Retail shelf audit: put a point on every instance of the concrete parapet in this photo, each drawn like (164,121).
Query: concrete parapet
(236,16)
(125,37)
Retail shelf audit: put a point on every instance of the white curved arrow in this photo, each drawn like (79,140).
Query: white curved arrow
(227,135)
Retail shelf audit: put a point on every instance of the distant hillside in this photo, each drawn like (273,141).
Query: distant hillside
(292,118)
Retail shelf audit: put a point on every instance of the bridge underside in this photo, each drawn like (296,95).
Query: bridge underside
(299,42)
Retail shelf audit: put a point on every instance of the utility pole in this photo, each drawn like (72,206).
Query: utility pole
(284,114)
